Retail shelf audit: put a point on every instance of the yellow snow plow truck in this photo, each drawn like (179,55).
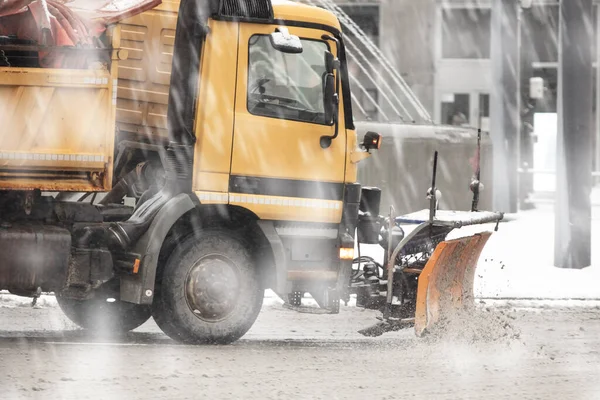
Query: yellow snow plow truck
(192,154)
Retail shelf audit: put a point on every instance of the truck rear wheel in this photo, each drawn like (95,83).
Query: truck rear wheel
(209,290)
(103,314)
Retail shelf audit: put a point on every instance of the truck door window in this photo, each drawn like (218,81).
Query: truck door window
(286,86)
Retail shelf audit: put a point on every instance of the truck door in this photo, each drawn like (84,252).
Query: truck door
(279,169)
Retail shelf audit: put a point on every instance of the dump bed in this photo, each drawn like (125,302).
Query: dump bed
(58,124)
(59,65)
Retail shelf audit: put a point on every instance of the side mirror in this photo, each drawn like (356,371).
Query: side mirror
(283,41)
(329,98)
(371,141)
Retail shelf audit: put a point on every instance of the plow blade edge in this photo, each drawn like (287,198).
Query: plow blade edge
(446,283)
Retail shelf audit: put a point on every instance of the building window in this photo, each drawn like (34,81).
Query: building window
(366,17)
(466,33)
(456,109)
(539,33)
(484,112)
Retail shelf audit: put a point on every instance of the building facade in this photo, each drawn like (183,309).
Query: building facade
(442,49)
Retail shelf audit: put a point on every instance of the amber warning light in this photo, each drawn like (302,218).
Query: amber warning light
(372,141)
(346,253)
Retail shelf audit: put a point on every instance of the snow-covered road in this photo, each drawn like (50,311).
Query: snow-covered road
(530,353)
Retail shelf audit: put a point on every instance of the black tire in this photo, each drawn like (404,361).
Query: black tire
(101,316)
(209,291)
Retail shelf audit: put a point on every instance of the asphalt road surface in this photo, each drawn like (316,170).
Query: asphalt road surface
(507,351)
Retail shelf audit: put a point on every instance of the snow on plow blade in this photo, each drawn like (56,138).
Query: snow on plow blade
(446,283)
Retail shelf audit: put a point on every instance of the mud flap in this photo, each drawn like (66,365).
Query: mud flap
(446,283)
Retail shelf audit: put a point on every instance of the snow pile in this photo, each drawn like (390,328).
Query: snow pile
(479,325)
(8,300)
(518,263)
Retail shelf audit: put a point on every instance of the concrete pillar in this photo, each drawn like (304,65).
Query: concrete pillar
(527,110)
(597,110)
(505,99)
(574,147)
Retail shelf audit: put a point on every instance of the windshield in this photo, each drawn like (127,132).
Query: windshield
(286,86)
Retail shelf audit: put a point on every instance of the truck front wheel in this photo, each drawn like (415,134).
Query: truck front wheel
(104,314)
(209,290)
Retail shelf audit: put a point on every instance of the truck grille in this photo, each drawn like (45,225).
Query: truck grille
(258,9)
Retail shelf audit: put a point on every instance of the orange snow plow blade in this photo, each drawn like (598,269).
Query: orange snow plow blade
(446,283)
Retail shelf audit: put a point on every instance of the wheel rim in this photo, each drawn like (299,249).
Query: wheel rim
(212,287)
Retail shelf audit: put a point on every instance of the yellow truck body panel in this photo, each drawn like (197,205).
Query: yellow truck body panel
(58,128)
(230,140)
(144,77)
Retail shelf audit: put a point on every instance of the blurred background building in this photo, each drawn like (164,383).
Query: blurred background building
(442,49)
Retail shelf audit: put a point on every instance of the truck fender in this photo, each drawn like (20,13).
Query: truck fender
(279,257)
(139,288)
